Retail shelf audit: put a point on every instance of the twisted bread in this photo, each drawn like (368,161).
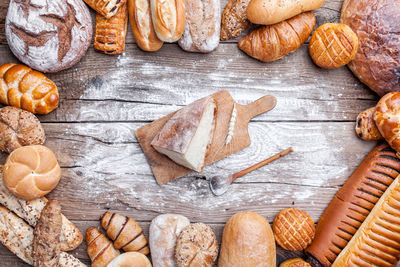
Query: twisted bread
(31,172)
(376,242)
(366,127)
(19,128)
(106,8)
(125,232)
(100,250)
(22,87)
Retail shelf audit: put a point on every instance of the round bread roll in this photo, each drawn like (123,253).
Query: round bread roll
(333,45)
(293,229)
(48,36)
(296,262)
(19,128)
(387,119)
(196,246)
(31,172)
(376,23)
(130,259)
(247,241)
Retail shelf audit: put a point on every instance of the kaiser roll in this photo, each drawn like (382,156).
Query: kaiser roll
(130,259)
(31,172)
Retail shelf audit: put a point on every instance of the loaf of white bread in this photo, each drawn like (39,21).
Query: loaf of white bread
(17,236)
(30,211)
(186,135)
(377,241)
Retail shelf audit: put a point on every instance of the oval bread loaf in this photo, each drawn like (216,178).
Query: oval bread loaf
(268,12)
(247,240)
(22,87)
(31,172)
(19,128)
(130,259)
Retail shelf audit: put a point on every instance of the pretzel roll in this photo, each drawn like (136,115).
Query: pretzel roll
(293,229)
(125,232)
(31,172)
(22,87)
(387,119)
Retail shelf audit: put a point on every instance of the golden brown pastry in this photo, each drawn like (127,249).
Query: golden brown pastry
(99,248)
(293,229)
(168,18)
(109,36)
(387,119)
(352,204)
(247,240)
(296,262)
(142,25)
(46,241)
(196,246)
(269,43)
(268,12)
(19,128)
(125,232)
(22,87)
(366,128)
(376,242)
(106,8)
(130,259)
(376,24)
(234,19)
(333,45)
(31,172)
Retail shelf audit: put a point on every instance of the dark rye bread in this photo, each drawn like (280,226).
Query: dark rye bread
(352,204)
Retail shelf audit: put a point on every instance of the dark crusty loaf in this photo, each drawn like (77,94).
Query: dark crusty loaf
(376,243)
(353,203)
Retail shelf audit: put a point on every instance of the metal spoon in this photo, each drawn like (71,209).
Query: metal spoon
(219,184)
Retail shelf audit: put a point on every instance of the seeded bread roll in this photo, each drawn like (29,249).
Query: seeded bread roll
(19,128)
(234,19)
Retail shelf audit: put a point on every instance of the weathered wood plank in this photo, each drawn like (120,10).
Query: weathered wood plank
(329,12)
(139,87)
(81,254)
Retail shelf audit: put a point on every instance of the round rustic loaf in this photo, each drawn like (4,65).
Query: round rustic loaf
(130,259)
(377,62)
(31,172)
(48,36)
(333,45)
(387,119)
(196,246)
(293,229)
(19,128)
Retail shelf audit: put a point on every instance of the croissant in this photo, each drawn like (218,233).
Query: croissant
(106,8)
(99,248)
(125,232)
(22,87)
(110,33)
(272,42)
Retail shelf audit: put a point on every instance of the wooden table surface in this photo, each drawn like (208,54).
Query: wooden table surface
(104,99)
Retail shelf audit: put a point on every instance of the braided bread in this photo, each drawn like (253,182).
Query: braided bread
(99,248)
(376,243)
(352,204)
(106,8)
(125,232)
(22,87)
(110,33)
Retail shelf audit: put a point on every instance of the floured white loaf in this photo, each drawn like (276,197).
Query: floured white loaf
(186,136)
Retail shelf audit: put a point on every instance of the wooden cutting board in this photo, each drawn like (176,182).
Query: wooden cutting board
(166,170)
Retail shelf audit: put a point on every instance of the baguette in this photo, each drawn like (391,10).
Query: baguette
(17,236)
(110,33)
(168,19)
(269,43)
(376,242)
(353,203)
(142,25)
(268,12)
(30,211)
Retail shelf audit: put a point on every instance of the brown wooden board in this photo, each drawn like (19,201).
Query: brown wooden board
(165,170)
